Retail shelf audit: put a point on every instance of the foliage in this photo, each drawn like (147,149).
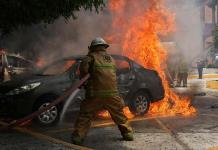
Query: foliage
(215,38)
(212,66)
(16,13)
(212,3)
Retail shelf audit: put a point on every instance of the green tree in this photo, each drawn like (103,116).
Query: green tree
(212,3)
(215,37)
(17,13)
(214,47)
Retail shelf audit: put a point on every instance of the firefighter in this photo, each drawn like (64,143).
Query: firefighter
(171,68)
(101,92)
(182,72)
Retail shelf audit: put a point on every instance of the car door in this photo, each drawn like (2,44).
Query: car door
(80,96)
(125,75)
(66,81)
(58,74)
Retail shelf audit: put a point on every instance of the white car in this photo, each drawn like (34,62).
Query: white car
(12,64)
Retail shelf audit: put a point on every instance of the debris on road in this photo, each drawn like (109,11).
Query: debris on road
(214,106)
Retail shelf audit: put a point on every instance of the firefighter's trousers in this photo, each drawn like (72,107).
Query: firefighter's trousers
(91,106)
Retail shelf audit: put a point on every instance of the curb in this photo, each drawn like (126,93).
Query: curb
(213,84)
(204,76)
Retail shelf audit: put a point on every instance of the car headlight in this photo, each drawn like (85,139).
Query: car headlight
(24,88)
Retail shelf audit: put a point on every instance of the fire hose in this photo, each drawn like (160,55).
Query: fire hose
(40,111)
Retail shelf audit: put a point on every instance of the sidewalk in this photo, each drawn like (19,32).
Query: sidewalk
(204,76)
(18,141)
(212,84)
(207,85)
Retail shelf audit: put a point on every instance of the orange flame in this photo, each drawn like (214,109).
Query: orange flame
(136,25)
(40,62)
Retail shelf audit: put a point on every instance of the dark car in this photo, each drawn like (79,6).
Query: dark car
(13,64)
(137,85)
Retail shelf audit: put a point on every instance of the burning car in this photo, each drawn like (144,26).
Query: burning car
(12,64)
(137,85)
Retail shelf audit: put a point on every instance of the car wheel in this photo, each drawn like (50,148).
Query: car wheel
(49,117)
(140,103)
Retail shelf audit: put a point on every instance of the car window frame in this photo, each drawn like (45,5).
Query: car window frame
(138,66)
(40,71)
(72,70)
(13,58)
(20,62)
(26,64)
(125,59)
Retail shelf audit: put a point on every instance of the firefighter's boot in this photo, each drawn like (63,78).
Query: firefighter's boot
(128,136)
(77,140)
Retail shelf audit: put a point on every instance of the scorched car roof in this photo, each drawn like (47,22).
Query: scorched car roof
(79,57)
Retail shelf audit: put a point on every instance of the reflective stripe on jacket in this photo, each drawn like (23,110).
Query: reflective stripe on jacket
(101,67)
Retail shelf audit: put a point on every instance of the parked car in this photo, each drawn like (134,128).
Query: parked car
(13,64)
(137,85)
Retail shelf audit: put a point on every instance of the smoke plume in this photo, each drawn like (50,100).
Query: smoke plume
(188,37)
(63,38)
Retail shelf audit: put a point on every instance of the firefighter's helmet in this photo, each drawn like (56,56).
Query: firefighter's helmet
(99,41)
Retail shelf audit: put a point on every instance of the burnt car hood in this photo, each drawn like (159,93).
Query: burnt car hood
(21,80)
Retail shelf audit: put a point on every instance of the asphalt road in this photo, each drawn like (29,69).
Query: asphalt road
(197,132)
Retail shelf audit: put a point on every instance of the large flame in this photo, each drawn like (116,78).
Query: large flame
(137,25)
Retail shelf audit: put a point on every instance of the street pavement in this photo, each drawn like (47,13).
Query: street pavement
(16,141)
(196,132)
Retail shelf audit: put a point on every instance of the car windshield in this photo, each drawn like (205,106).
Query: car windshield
(18,62)
(57,68)
(13,61)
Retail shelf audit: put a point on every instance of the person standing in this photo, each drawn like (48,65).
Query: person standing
(200,66)
(101,92)
(171,68)
(182,72)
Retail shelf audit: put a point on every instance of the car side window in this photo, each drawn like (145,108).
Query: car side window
(75,72)
(18,62)
(25,64)
(136,66)
(122,66)
(13,61)
(59,67)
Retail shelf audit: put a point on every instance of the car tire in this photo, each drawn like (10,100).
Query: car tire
(140,103)
(48,118)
